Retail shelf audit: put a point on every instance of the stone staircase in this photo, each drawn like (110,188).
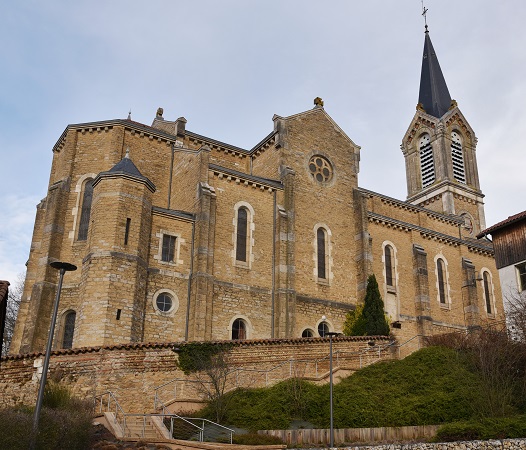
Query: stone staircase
(145,427)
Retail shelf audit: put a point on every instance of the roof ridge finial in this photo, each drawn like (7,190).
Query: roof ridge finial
(424,13)
(129,115)
(127,155)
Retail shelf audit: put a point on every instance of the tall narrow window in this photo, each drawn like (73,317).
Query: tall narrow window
(487,292)
(242,234)
(321,238)
(168,250)
(127,231)
(441,281)
(427,163)
(388,254)
(457,158)
(69,329)
(86,210)
(239,329)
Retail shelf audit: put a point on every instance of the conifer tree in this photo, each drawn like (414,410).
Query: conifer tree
(373,310)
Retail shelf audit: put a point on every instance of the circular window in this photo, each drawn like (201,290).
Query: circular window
(165,302)
(320,169)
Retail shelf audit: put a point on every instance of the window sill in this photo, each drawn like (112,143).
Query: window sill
(323,281)
(242,265)
(446,307)
(391,289)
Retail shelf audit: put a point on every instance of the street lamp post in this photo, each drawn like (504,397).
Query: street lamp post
(331,334)
(63,267)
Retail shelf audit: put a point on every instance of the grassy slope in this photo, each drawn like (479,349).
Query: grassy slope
(434,385)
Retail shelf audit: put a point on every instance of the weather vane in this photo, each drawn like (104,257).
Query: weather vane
(424,13)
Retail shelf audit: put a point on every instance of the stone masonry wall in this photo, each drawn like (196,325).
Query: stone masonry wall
(132,372)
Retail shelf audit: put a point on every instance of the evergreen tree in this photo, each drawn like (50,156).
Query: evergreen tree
(373,310)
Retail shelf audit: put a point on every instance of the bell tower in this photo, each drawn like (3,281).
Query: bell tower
(439,148)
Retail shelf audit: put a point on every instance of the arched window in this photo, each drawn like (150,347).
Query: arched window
(321,240)
(239,329)
(323,329)
(427,163)
(69,329)
(86,210)
(242,234)
(441,274)
(488,292)
(307,333)
(389,266)
(457,158)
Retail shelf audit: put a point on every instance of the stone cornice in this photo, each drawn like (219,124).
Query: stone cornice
(126,176)
(217,145)
(173,213)
(400,204)
(426,233)
(267,142)
(245,179)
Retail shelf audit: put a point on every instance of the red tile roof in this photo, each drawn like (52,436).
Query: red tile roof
(240,343)
(511,219)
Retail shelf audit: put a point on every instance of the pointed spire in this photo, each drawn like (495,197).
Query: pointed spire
(434,95)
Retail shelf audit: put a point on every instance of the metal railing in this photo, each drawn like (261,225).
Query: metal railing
(185,428)
(242,377)
(106,402)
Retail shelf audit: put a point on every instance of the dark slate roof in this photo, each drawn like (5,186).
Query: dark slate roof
(434,94)
(125,165)
(510,220)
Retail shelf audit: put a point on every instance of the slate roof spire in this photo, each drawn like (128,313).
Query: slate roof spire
(434,95)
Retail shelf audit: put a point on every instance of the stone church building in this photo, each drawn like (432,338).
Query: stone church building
(178,236)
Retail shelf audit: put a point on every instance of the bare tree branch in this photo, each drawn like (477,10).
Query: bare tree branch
(14,298)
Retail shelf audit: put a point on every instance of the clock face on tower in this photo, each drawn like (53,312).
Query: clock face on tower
(320,168)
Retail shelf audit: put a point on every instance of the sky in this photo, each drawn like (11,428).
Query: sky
(228,66)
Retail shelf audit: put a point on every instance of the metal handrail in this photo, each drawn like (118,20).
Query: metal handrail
(158,403)
(118,408)
(120,417)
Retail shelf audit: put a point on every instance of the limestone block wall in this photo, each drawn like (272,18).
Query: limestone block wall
(265,161)
(327,204)
(133,371)
(309,313)
(251,304)
(259,200)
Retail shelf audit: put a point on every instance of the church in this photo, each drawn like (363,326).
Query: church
(180,237)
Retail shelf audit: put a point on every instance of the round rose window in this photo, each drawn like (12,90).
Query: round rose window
(320,168)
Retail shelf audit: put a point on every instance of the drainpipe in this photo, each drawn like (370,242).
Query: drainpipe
(190,283)
(272,331)
(171,176)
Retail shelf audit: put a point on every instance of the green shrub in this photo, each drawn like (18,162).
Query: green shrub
(483,429)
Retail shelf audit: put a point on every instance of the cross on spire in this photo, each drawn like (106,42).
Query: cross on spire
(424,13)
